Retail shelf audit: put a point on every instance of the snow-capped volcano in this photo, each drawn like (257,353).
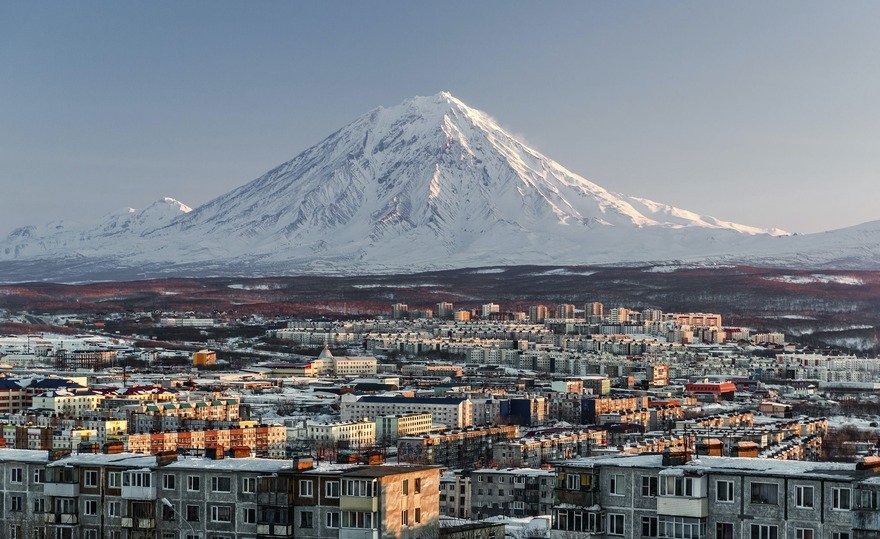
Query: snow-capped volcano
(429,183)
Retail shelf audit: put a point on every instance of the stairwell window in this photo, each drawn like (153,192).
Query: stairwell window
(765,493)
(616,488)
(724,491)
(841,499)
(803,496)
(649,486)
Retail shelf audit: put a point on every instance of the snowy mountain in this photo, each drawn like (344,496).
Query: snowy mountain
(429,183)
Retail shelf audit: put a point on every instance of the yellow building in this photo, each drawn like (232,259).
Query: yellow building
(204,357)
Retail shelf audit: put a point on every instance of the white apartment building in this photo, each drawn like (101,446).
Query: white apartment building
(452,412)
(391,427)
(68,402)
(352,434)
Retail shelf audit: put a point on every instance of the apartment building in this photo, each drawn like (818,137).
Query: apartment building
(533,451)
(391,427)
(718,497)
(263,440)
(22,501)
(68,402)
(449,411)
(367,501)
(464,448)
(344,434)
(511,492)
(128,496)
(455,493)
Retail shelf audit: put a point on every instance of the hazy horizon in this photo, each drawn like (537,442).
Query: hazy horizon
(755,113)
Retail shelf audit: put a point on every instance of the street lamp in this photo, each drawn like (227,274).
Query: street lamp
(167,503)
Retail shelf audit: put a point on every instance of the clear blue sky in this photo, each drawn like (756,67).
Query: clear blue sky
(765,113)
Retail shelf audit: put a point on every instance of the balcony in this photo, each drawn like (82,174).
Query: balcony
(67,518)
(138,493)
(274,530)
(61,490)
(139,523)
(50,518)
(679,506)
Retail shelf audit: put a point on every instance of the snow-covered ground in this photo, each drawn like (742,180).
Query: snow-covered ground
(817,278)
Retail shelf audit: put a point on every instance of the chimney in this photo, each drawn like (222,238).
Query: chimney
(303,462)
(214,452)
(711,447)
(240,452)
(163,458)
(869,463)
(113,448)
(746,450)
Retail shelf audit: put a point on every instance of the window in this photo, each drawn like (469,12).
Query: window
(91,534)
(766,493)
(764,531)
(40,475)
(192,513)
(677,486)
(616,486)
(39,505)
(681,527)
(840,499)
(572,481)
(168,481)
(250,516)
(405,487)
(840,535)
(615,524)
(649,486)
(67,506)
(803,533)
(221,513)
(305,488)
(357,519)
(221,484)
(803,496)
(649,527)
(91,507)
(724,491)
(114,509)
(418,515)
(17,504)
(16,475)
(114,479)
(358,487)
(306,519)
(404,517)
(136,479)
(90,478)
(418,485)
(331,489)
(724,530)
(193,483)
(332,519)
(249,485)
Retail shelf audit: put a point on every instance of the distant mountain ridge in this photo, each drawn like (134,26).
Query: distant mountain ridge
(429,183)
